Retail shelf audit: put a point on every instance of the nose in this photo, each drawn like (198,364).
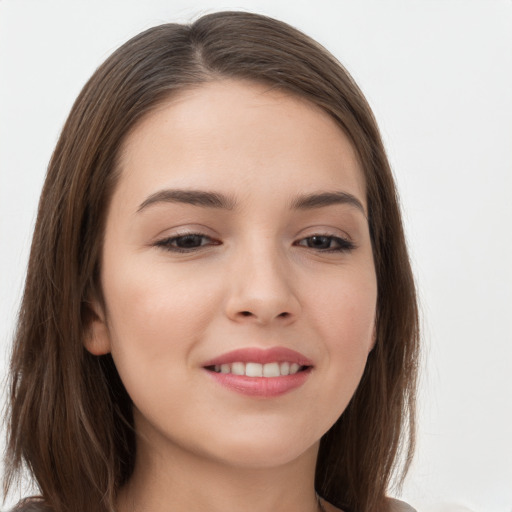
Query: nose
(261,289)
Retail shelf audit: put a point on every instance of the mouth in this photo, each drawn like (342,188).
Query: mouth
(262,373)
(253,369)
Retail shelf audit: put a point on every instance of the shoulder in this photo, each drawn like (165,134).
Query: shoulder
(394,506)
(31,505)
(399,506)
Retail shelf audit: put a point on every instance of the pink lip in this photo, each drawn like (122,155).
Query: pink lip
(262,356)
(261,387)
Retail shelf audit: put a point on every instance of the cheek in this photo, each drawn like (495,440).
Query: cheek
(344,312)
(155,319)
(155,313)
(345,307)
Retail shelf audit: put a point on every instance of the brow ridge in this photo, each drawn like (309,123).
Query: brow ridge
(202,198)
(323,199)
(209,199)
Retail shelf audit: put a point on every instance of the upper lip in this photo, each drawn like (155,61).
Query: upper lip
(262,356)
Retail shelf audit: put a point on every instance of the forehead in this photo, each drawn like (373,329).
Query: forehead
(232,133)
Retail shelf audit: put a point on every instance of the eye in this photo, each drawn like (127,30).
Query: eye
(326,243)
(186,243)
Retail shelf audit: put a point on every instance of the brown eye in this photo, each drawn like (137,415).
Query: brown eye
(326,243)
(319,242)
(189,241)
(186,243)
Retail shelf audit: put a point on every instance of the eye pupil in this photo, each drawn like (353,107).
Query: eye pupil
(319,242)
(189,241)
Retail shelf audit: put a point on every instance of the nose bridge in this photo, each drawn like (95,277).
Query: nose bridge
(261,282)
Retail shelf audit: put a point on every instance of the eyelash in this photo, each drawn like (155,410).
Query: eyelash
(343,244)
(166,243)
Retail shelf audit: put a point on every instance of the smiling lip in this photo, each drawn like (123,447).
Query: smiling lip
(261,356)
(263,387)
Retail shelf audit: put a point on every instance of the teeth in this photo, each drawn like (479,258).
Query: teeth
(258,370)
(271,370)
(253,370)
(238,368)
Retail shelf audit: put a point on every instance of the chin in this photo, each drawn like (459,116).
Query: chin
(263,448)
(259,458)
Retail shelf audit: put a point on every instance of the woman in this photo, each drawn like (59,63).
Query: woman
(219,311)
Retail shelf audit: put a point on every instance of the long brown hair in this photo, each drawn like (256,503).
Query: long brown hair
(70,417)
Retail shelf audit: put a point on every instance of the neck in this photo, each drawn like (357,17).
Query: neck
(176,480)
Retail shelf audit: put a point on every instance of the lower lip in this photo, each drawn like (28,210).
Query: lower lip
(263,387)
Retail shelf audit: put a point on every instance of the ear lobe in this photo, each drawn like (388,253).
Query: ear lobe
(96,337)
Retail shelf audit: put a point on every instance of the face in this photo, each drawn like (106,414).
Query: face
(237,275)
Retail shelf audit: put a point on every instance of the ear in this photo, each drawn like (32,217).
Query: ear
(97,336)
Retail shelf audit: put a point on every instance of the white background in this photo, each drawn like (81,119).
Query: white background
(438,74)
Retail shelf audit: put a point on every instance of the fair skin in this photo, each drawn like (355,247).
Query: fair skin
(278,260)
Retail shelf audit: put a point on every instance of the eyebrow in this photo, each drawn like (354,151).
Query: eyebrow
(193,197)
(320,200)
(207,199)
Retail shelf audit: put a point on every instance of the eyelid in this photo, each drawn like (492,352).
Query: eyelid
(344,243)
(165,242)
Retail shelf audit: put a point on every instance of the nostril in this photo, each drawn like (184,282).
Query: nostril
(247,314)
